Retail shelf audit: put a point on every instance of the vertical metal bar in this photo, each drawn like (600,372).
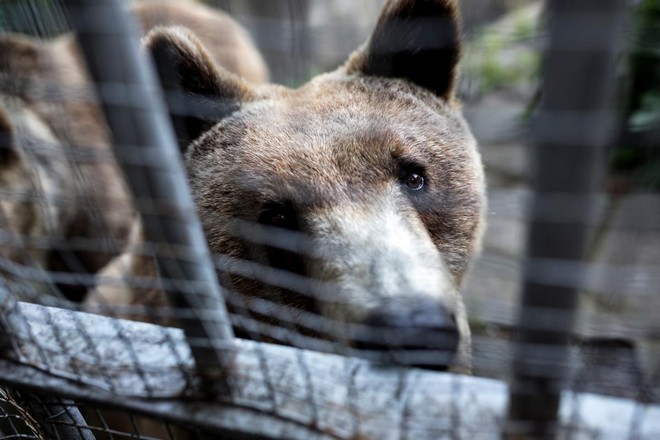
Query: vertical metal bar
(574,126)
(145,145)
(283,38)
(58,418)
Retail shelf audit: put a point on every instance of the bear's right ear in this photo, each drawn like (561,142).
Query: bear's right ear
(198,93)
(415,40)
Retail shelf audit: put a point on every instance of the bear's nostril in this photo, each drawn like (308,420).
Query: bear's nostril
(421,333)
(418,314)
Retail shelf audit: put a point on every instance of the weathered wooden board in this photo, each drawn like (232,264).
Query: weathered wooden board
(280,392)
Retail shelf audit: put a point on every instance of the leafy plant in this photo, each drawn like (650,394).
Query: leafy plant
(638,155)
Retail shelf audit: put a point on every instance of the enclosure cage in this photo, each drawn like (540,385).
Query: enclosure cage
(562,302)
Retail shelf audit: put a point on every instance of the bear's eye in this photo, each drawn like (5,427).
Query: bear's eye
(414,181)
(279,215)
(412,176)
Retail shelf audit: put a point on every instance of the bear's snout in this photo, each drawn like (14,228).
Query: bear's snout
(417,332)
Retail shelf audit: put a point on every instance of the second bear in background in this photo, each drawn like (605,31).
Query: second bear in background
(64,208)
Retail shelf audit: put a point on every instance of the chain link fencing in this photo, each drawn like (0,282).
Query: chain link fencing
(118,322)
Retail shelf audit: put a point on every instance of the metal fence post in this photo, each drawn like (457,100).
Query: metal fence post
(573,128)
(144,142)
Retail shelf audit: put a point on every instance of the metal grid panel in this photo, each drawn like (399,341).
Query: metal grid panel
(118,373)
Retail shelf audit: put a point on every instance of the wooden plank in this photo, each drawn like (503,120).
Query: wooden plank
(277,391)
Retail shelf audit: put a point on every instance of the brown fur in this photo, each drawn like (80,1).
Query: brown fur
(402,48)
(53,120)
(49,118)
(229,44)
(329,162)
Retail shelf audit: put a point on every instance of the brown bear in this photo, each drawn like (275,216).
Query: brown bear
(60,188)
(228,43)
(348,209)
(64,207)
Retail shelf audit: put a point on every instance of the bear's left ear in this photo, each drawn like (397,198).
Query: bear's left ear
(417,40)
(198,93)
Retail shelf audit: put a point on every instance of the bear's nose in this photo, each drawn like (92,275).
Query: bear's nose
(419,333)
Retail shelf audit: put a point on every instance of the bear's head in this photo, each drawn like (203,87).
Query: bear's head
(347,209)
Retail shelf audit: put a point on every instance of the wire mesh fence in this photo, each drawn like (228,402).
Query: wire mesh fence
(187,251)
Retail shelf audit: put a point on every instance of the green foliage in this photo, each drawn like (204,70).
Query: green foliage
(647,115)
(502,56)
(639,159)
(650,8)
